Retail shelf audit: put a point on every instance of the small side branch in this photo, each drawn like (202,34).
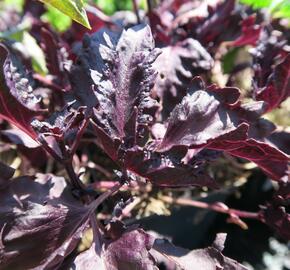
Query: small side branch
(78,137)
(218,207)
(105,195)
(149,5)
(48,149)
(75,181)
(96,234)
(136,10)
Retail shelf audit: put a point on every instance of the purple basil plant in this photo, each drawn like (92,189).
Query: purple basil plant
(142,93)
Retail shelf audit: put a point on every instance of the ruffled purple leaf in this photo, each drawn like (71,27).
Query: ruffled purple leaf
(281,139)
(61,124)
(278,219)
(167,169)
(276,213)
(176,67)
(40,224)
(18,137)
(56,58)
(212,117)
(123,85)
(210,30)
(210,258)
(130,251)
(250,33)
(125,106)
(18,103)
(270,49)
(202,116)
(277,88)
(271,160)
(6,173)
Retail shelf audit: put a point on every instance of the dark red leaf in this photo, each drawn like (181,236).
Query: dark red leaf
(203,116)
(210,30)
(56,57)
(271,160)
(278,219)
(176,67)
(6,172)
(250,33)
(18,104)
(129,252)
(123,84)
(270,49)
(167,169)
(209,258)
(212,117)
(62,123)
(278,87)
(41,222)
(281,139)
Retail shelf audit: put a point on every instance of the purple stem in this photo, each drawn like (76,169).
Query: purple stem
(76,182)
(215,207)
(105,195)
(78,137)
(94,205)
(149,5)
(136,10)
(45,145)
(96,234)
(47,82)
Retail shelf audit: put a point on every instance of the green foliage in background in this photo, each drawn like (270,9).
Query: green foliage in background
(111,6)
(56,18)
(17,4)
(108,6)
(72,8)
(277,8)
(257,3)
(35,53)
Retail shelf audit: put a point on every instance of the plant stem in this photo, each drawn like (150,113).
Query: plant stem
(96,234)
(79,136)
(75,181)
(149,5)
(47,82)
(218,207)
(105,195)
(136,10)
(45,145)
(94,205)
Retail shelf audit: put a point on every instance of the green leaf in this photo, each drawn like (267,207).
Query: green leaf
(281,10)
(54,17)
(72,8)
(111,6)
(35,52)
(257,3)
(108,6)
(16,4)
(16,33)
(277,8)
(228,60)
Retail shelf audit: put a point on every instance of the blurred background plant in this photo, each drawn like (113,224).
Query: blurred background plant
(275,8)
